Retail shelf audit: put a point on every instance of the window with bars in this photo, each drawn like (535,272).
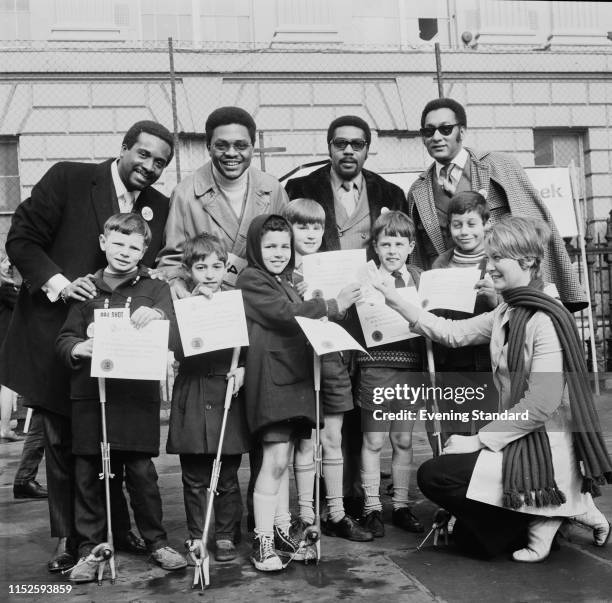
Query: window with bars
(559,148)
(10,191)
(14,19)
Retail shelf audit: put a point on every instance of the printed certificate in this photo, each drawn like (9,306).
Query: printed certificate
(120,351)
(326,337)
(328,272)
(449,289)
(212,324)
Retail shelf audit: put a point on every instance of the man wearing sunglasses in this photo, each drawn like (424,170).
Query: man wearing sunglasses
(221,197)
(352,198)
(497,176)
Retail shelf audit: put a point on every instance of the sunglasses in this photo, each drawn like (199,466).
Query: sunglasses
(223,145)
(445,130)
(357,144)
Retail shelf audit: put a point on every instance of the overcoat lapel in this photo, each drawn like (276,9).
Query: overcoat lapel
(103,195)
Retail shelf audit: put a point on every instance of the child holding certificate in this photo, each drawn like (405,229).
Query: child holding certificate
(279,380)
(307,219)
(468,219)
(132,408)
(394,365)
(197,413)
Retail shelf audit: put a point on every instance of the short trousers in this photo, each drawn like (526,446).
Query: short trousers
(286,431)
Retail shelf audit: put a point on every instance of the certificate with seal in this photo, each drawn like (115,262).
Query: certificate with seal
(328,272)
(120,351)
(212,324)
(449,289)
(380,324)
(326,337)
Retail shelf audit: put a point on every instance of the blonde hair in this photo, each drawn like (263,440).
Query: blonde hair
(520,239)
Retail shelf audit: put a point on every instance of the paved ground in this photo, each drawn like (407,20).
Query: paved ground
(389,570)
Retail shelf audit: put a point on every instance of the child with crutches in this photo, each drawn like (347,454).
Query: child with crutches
(197,413)
(278,380)
(132,406)
(307,219)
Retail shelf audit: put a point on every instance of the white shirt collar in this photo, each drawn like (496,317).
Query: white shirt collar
(403,271)
(459,161)
(120,189)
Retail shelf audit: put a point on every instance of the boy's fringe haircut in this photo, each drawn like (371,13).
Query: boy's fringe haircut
(304,211)
(466,201)
(128,224)
(393,224)
(200,247)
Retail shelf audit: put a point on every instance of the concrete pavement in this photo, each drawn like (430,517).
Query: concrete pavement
(389,569)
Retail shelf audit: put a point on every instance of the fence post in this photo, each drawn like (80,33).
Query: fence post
(439,69)
(177,157)
(607,258)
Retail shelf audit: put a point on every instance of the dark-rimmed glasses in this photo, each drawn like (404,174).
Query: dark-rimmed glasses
(357,144)
(444,129)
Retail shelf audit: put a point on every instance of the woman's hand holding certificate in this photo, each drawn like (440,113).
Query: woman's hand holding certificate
(392,298)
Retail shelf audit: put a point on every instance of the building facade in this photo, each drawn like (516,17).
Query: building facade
(535,78)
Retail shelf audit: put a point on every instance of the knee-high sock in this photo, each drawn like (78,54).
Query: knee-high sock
(371,488)
(332,472)
(304,481)
(401,484)
(282,517)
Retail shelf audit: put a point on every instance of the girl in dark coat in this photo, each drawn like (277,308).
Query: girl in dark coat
(198,399)
(278,381)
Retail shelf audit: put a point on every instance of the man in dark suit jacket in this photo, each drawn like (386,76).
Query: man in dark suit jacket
(498,177)
(53,241)
(352,198)
(344,183)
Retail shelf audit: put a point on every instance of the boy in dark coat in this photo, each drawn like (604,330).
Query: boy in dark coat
(278,381)
(196,416)
(132,406)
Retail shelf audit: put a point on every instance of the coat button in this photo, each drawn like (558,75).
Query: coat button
(340,234)
(208,406)
(363,235)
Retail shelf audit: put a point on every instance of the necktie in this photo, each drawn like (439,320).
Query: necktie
(348,198)
(445,179)
(399,281)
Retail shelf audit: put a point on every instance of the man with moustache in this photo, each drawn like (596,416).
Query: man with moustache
(53,242)
(352,198)
(498,177)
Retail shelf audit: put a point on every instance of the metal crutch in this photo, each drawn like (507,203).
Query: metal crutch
(441,516)
(312,534)
(105,552)
(431,368)
(201,574)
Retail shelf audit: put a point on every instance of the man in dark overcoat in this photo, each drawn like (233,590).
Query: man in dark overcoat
(498,177)
(352,198)
(53,242)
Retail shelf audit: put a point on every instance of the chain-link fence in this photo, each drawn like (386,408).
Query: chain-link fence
(545,106)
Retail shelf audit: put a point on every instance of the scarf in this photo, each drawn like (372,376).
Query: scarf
(527,469)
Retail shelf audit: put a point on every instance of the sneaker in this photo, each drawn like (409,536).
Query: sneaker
(225,551)
(168,559)
(263,557)
(406,520)
(86,570)
(373,523)
(286,544)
